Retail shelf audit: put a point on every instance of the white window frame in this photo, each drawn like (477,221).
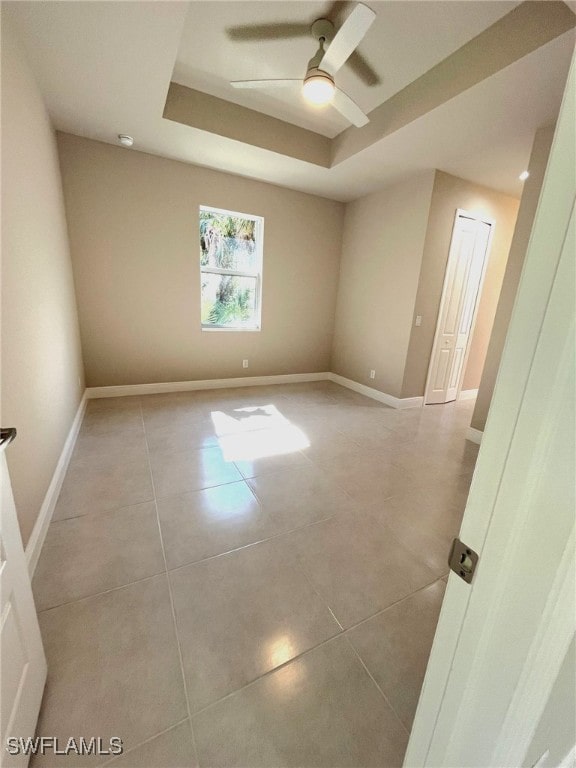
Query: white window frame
(259,221)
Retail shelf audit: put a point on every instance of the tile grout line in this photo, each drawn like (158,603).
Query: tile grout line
(361,660)
(303,572)
(114,589)
(269,672)
(224,554)
(174,623)
(101,512)
(392,605)
(299,656)
(103,592)
(142,743)
(184,565)
(299,567)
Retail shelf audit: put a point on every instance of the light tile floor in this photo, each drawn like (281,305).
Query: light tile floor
(249,577)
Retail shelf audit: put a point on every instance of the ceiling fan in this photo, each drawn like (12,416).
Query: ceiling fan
(318,86)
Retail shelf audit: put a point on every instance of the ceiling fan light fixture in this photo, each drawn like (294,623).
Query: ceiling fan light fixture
(318,87)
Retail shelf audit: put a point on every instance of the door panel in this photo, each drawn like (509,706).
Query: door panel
(453,311)
(456,368)
(443,367)
(14,658)
(22,656)
(501,641)
(464,274)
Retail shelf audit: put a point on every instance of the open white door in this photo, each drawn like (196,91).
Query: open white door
(501,641)
(465,271)
(23,663)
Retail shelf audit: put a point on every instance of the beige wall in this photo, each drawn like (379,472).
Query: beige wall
(42,376)
(382,248)
(133,223)
(450,193)
(526,213)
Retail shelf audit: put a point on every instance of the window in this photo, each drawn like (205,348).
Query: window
(230,269)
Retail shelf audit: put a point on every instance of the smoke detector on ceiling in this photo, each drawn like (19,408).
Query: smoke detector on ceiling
(125,140)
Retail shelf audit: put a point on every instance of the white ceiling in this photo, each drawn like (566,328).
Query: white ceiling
(104,68)
(485,134)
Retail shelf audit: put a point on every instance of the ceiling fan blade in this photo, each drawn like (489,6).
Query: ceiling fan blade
(264,83)
(351,111)
(280,31)
(347,38)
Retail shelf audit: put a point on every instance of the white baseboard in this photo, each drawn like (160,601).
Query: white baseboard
(162,388)
(124,390)
(375,394)
(474,435)
(468,394)
(36,540)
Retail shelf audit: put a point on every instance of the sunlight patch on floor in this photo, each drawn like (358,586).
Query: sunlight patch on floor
(256,432)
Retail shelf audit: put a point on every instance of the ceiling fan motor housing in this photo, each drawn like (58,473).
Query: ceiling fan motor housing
(314,72)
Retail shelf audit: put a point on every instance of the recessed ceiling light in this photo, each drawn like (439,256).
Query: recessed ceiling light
(524,175)
(125,140)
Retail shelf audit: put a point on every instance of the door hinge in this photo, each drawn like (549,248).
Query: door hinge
(463,560)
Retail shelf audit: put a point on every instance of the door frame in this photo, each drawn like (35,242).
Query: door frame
(492,224)
(18,715)
(452,693)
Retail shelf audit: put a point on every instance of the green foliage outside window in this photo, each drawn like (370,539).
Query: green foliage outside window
(229,261)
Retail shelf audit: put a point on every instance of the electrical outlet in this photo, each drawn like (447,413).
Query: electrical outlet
(244,363)
(372,374)
(418,320)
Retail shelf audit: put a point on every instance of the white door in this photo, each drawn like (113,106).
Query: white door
(501,641)
(23,664)
(467,261)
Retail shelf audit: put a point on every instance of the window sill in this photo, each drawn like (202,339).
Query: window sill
(230,330)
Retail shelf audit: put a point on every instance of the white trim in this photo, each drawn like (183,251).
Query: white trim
(474,435)
(225,212)
(468,394)
(231,272)
(165,387)
(36,540)
(551,642)
(217,328)
(375,394)
(570,760)
(542,760)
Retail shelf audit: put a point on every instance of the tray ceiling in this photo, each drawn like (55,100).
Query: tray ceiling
(405,41)
(105,68)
